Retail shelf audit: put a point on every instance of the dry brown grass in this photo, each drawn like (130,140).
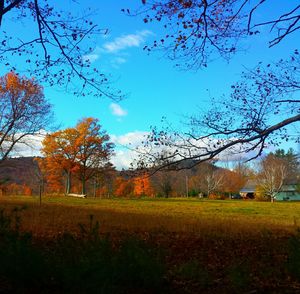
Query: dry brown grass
(237,246)
(217,218)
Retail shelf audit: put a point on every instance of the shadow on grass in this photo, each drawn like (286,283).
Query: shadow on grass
(93,264)
(293,260)
(88,264)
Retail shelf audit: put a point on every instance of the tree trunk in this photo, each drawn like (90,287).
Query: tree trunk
(95,188)
(68,182)
(272,198)
(83,190)
(40,193)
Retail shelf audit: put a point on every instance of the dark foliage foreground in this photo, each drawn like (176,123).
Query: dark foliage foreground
(90,263)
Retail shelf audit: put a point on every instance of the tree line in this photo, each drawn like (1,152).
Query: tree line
(77,159)
(206,180)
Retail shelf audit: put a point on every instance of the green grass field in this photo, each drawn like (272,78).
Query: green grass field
(170,215)
(227,246)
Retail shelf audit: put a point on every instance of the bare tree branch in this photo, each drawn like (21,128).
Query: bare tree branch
(198,31)
(57,53)
(255,115)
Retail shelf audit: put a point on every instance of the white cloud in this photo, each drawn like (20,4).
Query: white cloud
(181,149)
(116,62)
(126,41)
(119,60)
(131,139)
(116,46)
(126,146)
(90,57)
(29,146)
(124,153)
(117,110)
(123,158)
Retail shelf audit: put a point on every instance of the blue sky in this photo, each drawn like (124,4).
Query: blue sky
(155,88)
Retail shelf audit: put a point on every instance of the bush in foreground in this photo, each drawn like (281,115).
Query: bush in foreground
(89,264)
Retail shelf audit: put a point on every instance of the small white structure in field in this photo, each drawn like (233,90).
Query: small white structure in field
(77,195)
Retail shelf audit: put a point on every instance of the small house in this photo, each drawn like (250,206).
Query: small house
(248,191)
(286,193)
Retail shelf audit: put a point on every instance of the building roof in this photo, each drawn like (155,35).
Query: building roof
(289,188)
(251,186)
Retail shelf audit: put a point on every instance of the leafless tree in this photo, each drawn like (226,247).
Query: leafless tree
(262,107)
(213,181)
(260,111)
(272,176)
(163,182)
(24,111)
(208,178)
(197,31)
(53,45)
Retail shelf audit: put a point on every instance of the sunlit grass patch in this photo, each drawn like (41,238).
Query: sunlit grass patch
(171,215)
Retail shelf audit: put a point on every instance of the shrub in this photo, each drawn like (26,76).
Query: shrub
(260,194)
(217,196)
(293,260)
(193,271)
(239,276)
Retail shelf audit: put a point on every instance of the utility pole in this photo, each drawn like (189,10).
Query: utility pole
(187,185)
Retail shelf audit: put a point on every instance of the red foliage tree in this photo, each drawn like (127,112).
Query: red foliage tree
(123,187)
(24,111)
(142,186)
(82,151)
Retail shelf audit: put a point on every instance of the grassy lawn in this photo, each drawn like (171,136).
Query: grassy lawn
(171,215)
(220,246)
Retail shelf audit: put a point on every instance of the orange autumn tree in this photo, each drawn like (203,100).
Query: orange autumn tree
(123,187)
(82,151)
(142,186)
(24,111)
(27,191)
(233,181)
(93,149)
(59,151)
(49,176)
(17,189)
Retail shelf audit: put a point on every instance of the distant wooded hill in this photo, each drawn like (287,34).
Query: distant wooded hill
(21,176)
(21,171)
